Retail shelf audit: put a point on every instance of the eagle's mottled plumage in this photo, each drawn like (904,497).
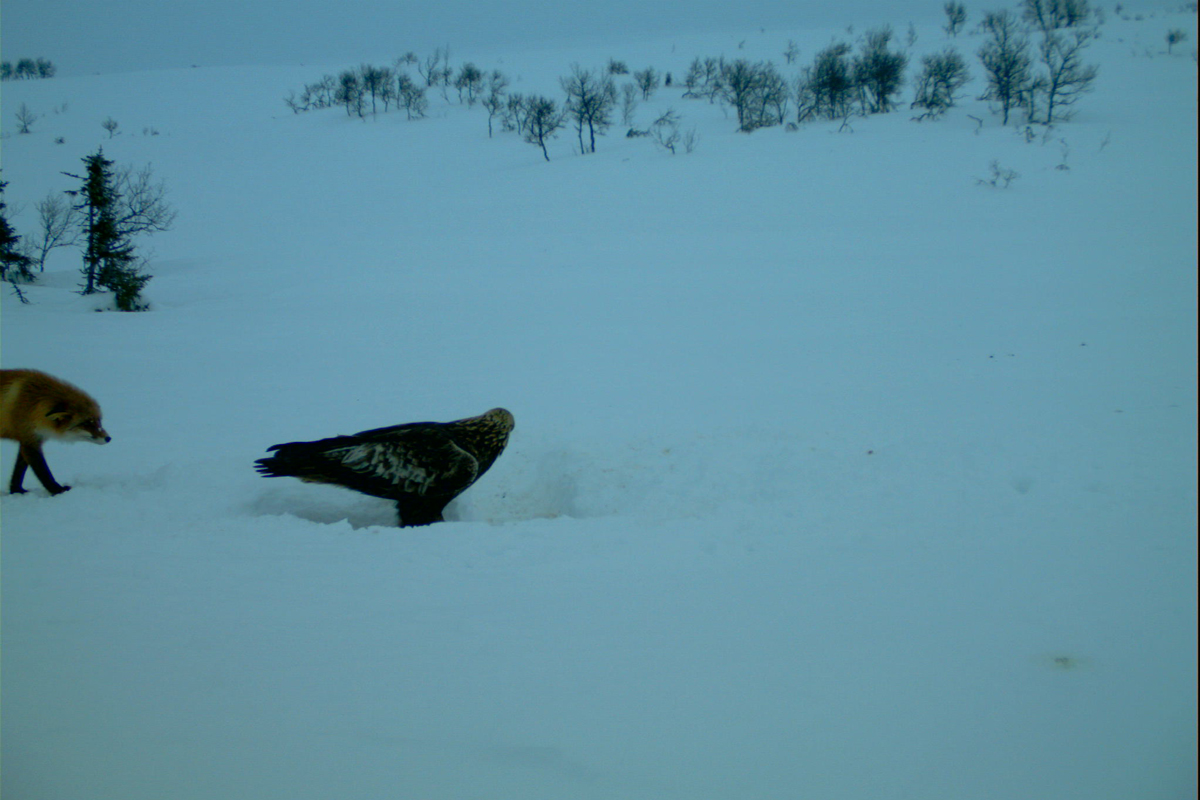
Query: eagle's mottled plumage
(420,465)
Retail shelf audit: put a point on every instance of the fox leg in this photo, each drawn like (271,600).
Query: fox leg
(32,456)
(18,475)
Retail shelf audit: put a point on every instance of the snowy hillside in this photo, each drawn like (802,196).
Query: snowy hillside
(837,472)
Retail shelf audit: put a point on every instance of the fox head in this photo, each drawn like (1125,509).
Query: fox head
(73,426)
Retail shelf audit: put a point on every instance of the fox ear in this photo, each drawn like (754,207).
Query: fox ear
(60,408)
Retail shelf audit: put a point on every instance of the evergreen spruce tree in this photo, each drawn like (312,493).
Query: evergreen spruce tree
(119,271)
(96,202)
(108,260)
(14,264)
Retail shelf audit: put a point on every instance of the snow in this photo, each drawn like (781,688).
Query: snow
(836,474)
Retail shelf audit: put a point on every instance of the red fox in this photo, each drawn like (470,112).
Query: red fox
(35,407)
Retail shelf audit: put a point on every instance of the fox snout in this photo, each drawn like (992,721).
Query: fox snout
(87,433)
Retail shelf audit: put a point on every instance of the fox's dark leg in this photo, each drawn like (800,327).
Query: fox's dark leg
(18,476)
(34,458)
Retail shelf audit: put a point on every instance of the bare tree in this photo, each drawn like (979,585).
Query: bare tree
(516,112)
(111,126)
(1050,15)
(1001,177)
(590,101)
(59,221)
(773,96)
(1075,12)
(542,119)
(665,130)
(25,119)
(411,96)
(942,75)
(350,92)
(1174,37)
(1067,77)
(878,71)
(1006,61)
(647,80)
(956,17)
(704,78)
(143,206)
(469,83)
(315,95)
(388,92)
(496,98)
(27,68)
(792,52)
(825,89)
(434,68)
(693,78)
(1040,13)
(738,81)
(377,82)
(756,91)
(690,140)
(628,103)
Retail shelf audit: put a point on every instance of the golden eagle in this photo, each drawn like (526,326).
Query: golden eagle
(420,465)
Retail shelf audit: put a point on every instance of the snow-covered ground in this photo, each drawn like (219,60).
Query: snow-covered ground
(836,474)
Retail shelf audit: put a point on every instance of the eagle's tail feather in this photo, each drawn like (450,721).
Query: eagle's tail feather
(292,460)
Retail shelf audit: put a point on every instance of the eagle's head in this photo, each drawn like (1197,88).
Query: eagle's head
(484,436)
(500,419)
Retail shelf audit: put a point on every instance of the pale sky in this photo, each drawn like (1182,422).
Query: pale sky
(91,36)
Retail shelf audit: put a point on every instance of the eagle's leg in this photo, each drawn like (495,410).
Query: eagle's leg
(420,510)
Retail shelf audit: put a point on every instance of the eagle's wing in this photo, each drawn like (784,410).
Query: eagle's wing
(403,460)
(388,462)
